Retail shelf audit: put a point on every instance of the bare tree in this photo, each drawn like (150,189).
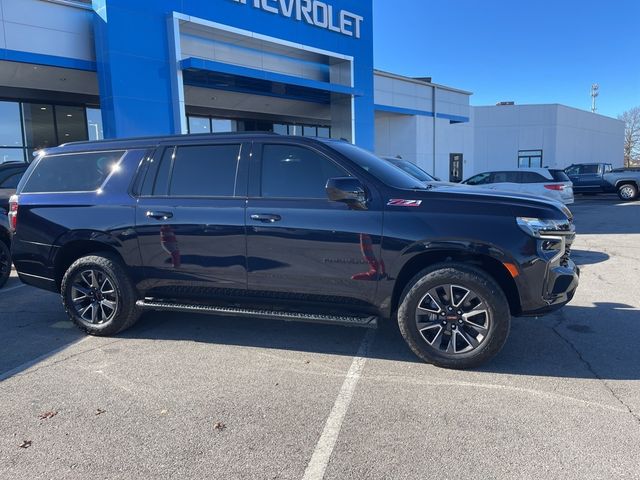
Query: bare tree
(631,118)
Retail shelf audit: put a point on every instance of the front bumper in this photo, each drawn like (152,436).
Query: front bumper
(560,287)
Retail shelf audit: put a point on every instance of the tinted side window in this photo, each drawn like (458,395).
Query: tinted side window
(559,176)
(533,177)
(203,170)
(480,179)
(505,177)
(157,174)
(589,169)
(573,170)
(83,172)
(12,181)
(289,171)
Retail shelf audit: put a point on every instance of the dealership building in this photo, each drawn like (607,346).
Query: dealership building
(75,70)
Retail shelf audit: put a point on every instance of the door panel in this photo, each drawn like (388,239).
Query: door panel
(201,244)
(300,244)
(318,249)
(191,220)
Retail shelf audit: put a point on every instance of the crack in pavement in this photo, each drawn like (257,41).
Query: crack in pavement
(562,318)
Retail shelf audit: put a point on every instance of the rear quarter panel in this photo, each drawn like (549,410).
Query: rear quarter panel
(49,221)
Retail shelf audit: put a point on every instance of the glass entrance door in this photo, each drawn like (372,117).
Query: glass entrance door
(455,167)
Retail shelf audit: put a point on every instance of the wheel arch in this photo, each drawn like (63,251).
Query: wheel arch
(77,248)
(488,264)
(5,237)
(627,181)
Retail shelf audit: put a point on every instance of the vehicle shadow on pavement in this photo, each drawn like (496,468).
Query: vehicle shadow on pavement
(586,257)
(575,342)
(269,334)
(32,330)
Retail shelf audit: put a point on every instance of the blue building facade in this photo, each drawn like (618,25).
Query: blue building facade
(311,51)
(184,66)
(89,69)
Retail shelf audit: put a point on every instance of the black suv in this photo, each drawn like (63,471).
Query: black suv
(286,228)
(10,175)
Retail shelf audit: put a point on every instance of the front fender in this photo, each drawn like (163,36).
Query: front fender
(459,247)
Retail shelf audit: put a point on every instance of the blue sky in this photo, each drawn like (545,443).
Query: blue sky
(540,51)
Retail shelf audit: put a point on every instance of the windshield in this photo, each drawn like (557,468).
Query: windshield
(379,168)
(413,170)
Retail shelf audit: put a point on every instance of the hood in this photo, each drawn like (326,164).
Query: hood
(520,203)
(458,188)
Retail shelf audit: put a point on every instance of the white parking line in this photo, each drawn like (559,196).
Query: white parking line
(324,448)
(15,287)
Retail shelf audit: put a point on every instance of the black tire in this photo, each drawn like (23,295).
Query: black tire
(5,263)
(490,335)
(627,192)
(107,320)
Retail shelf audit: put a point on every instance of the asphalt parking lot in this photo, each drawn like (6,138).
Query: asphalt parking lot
(189,396)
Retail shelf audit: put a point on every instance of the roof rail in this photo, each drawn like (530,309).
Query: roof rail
(168,137)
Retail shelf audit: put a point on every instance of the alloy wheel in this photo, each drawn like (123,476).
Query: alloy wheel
(627,192)
(453,319)
(5,262)
(94,297)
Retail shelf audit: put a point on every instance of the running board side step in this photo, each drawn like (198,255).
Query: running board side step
(367,322)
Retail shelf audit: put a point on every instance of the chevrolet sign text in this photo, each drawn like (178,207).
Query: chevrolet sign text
(313,12)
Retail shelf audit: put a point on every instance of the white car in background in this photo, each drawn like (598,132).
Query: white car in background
(543,182)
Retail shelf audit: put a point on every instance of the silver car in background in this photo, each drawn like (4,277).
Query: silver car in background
(542,182)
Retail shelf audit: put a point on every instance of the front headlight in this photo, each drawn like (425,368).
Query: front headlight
(540,227)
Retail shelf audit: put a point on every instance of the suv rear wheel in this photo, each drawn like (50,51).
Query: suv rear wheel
(627,192)
(454,316)
(5,263)
(99,296)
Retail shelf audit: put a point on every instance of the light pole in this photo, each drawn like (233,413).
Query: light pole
(595,91)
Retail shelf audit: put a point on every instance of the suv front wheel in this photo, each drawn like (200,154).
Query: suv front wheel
(99,296)
(454,316)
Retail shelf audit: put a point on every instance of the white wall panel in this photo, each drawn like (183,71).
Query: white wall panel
(565,135)
(45,41)
(47,28)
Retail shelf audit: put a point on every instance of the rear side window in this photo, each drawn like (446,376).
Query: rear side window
(204,170)
(505,177)
(289,171)
(12,181)
(533,177)
(559,176)
(193,171)
(77,172)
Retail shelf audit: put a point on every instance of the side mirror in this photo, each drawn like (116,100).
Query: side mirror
(347,190)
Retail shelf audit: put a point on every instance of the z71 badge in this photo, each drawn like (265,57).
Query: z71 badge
(400,202)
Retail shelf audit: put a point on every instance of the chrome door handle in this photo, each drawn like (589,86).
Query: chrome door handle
(266,218)
(159,215)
